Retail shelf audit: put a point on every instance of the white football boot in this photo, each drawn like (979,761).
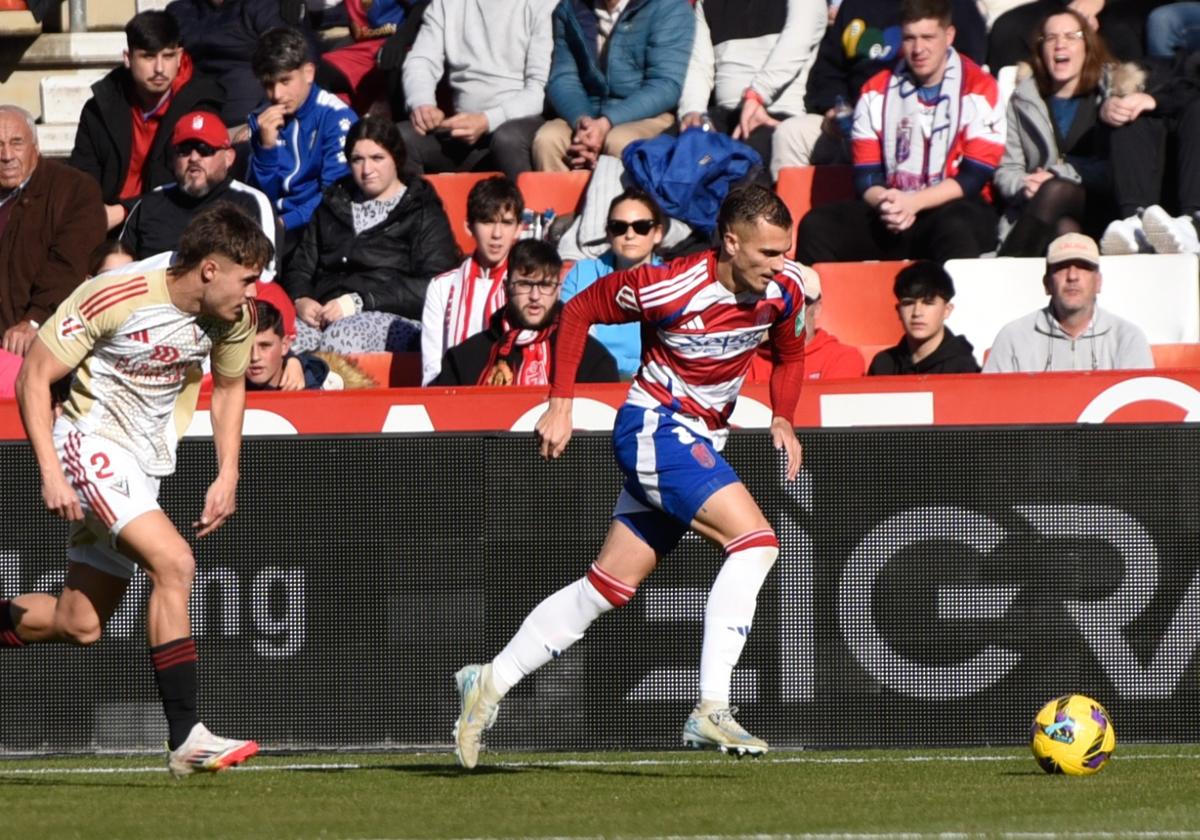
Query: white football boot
(476,713)
(204,752)
(711,724)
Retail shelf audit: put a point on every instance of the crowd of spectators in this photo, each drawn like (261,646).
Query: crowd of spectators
(327,140)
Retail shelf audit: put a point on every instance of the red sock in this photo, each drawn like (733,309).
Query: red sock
(8,627)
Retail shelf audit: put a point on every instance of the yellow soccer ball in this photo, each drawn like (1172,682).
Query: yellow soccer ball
(1073,734)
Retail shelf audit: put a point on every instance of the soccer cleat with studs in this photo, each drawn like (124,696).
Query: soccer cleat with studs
(476,714)
(204,752)
(712,725)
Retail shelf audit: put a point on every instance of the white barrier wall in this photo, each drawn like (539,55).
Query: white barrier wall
(1158,292)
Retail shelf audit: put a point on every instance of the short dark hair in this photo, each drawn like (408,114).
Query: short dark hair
(641,196)
(912,11)
(269,317)
(534,256)
(381,131)
(224,229)
(279,50)
(491,197)
(923,279)
(749,203)
(152,31)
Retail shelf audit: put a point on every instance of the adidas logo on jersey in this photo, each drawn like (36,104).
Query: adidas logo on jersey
(696,323)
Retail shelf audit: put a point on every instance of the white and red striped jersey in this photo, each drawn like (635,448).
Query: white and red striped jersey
(458,304)
(698,337)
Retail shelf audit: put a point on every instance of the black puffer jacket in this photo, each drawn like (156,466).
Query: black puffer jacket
(104,139)
(389,266)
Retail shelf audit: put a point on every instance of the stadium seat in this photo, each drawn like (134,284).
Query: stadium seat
(805,187)
(1175,356)
(391,370)
(859,307)
(1158,292)
(452,188)
(559,191)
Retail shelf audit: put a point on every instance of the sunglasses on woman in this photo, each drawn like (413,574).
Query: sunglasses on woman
(641,227)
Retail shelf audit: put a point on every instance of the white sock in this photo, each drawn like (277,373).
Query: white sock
(730,610)
(554,625)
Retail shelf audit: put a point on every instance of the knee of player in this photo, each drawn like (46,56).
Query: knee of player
(80,629)
(760,545)
(176,570)
(615,592)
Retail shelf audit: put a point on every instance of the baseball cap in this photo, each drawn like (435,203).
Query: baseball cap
(1073,247)
(202,126)
(812,284)
(274,294)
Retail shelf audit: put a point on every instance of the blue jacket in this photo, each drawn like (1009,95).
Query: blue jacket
(307,158)
(648,53)
(623,341)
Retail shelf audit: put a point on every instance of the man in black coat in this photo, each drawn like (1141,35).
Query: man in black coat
(517,347)
(125,127)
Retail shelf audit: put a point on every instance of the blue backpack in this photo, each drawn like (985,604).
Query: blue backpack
(691,174)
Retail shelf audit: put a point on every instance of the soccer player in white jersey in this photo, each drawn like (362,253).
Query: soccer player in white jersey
(704,316)
(135,343)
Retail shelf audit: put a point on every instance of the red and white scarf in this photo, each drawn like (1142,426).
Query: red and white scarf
(534,364)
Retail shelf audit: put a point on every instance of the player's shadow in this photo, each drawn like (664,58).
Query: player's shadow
(60,782)
(451,771)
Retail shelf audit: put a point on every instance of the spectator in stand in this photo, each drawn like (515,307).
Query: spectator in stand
(201,157)
(360,273)
(498,95)
(1171,28)
(615,76)
(1121,22)
(863,39)
(351,71)
(928,135)
(635,227)
(1072,333)
(1054,177)
(51,220)
(461,302)
(923,293)
(518,346)
(273,367)
(125,127)
(221,36)
(1153,102)
(751,58)
(297,142)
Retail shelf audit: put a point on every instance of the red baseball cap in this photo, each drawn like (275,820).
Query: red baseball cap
(202,126)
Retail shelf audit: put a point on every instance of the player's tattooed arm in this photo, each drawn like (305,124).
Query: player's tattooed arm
(39,370)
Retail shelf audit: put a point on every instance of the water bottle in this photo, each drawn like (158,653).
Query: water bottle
(528,220)
(544,222)
(843,116)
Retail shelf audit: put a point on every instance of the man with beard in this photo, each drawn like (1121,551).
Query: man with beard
(516,348)
(124,128)
(201,162)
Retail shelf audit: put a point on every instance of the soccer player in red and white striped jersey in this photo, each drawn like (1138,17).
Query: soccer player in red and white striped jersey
(703,318)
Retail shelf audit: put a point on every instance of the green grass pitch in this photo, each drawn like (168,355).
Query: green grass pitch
(1145,792)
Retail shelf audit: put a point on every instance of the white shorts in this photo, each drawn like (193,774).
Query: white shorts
(112,490)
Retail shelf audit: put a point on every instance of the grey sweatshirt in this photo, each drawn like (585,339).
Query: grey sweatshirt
(497,53)
(1036,342)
